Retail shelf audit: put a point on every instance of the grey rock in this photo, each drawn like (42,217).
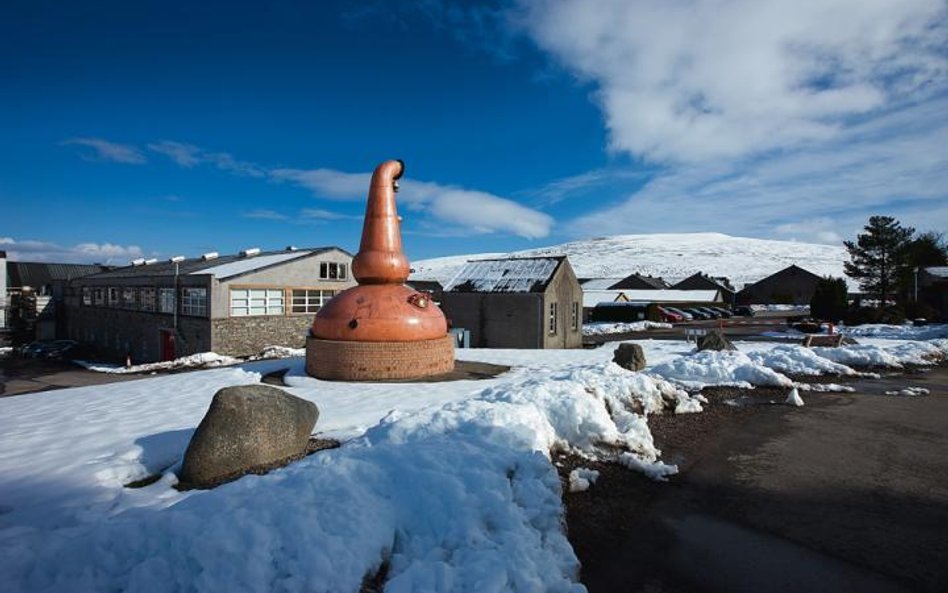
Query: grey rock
(248,428)
(629,356)
(715,340)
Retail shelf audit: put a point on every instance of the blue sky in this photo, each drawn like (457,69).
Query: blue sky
(165,128)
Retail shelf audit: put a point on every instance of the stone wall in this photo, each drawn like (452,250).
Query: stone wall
(376,361)
(243,336)
(117,333)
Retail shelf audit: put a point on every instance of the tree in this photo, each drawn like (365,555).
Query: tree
(829,300)
(877,257)
(925,250)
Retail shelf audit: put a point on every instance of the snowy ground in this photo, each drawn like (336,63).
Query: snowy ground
(604,328)
(451,483)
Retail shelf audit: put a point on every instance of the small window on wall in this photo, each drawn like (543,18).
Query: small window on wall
(256,301)
(194,302)
(332,271)
(574,317)
(86,295)
(98,296)
(128,297)
(310,301)
(113,296)
(147,299)
(551,326)
(166,300)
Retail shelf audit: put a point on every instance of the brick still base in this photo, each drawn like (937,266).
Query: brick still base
(378,361)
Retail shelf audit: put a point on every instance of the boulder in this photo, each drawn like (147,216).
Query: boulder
(248,428)
(629,356)
(715,340)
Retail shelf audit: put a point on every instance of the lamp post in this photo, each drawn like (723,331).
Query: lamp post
(916,283)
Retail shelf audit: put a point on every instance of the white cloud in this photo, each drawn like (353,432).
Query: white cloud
(103,150)
(44,251)
(189,155)
(470,210)
(265,215)
(320,214)
(711,79)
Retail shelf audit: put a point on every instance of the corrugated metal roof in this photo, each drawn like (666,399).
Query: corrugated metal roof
(37,274)
(673,296)
(198,265)
(529,274)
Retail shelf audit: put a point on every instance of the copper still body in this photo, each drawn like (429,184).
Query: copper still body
(381,309)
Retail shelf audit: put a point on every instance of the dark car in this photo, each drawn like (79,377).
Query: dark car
(51,350)
(698,313)
(724,312)
(744,311)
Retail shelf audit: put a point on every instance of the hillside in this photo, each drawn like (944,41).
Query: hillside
(671,256)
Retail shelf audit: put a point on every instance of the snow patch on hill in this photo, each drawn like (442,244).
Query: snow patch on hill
(671,256)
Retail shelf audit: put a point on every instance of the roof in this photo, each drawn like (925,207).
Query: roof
(222,267)
(36,274)
(702,278)
(673,296)
(591,298)
(599,283)
(939,271)
(508,275)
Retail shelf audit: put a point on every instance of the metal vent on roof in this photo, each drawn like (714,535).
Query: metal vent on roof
(176,259)
(210,255)
(138,261)
(250,252)
(148,262)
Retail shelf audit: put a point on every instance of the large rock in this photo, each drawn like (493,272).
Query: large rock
(629,356)
(248,428)
(715,340)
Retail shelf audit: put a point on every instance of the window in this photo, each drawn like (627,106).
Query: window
(86,295)
(256,301)
(98,296)
(574,317)
(332,271)
(147,299)
(309,301)
(552,323)
(166,300)
(113,296)
(128,298)
(194,301)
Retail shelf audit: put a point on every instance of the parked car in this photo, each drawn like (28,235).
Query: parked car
(727,314)
(744,311)
(687,316)
(669,316)
(51,350)
(714,314)
(697,313)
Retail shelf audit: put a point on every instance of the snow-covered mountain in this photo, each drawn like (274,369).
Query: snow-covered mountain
(671,256)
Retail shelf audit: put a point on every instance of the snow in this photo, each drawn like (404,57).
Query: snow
(670,295)
(451,483)
(604,328)
(670,256)
(199,360)
(896,332)
(794,399)
(249,264)
(711,367)
(591,298)
(581,478)
(909,391)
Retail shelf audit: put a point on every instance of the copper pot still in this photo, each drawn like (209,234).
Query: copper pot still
(381,308)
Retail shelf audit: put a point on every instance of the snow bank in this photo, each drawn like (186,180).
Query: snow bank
(896,332)
(797,360)
(890,356)
(909,391)
(710,367)
(202,360)
(459,496)
(605,328)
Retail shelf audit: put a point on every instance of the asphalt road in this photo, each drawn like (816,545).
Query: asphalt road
(29,375)
(849,493)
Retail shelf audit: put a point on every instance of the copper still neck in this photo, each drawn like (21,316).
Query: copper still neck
(380,259)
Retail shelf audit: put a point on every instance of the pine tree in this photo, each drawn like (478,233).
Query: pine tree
(829,300)
(925,250)
(877,257)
